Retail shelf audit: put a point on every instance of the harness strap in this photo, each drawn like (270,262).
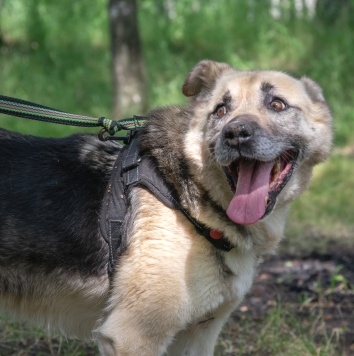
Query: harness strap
(113,212)
(144,172)
(146,175)
(130,170)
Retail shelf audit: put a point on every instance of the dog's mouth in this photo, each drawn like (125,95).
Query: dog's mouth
(256,185)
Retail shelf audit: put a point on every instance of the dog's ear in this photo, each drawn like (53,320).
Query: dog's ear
(203,76)
(313,90)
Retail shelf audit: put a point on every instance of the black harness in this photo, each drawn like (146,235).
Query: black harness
(131,170)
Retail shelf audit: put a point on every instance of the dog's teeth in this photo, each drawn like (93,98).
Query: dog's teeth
(266,201)
(277,169)
(275,174)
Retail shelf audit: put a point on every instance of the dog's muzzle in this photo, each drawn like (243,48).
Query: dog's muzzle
(255,172)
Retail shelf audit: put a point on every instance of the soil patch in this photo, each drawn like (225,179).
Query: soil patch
(321,284)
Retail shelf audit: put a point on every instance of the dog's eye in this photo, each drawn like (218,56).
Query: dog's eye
(220,111)
(277,105)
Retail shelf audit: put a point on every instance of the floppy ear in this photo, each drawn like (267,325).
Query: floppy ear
(313,89)
(203,76)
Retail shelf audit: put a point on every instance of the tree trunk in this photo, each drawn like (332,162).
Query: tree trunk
(127,59)
(1,38)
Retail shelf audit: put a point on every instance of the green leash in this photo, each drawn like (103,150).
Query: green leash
(25,109)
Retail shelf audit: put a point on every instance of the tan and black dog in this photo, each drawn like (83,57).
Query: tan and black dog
(236,155)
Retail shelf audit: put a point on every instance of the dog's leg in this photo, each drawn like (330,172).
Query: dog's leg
(125,333)
(200,337)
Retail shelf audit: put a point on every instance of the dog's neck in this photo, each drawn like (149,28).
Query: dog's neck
(164,140)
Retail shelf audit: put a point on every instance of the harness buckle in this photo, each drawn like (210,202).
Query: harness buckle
(109,137)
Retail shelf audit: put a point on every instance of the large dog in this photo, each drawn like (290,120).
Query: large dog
(236,155)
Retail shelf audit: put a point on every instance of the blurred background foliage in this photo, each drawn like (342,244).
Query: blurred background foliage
(57,53)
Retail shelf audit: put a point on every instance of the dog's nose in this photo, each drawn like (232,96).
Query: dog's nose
(237,132)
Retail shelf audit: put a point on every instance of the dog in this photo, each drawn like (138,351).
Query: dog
(236,155)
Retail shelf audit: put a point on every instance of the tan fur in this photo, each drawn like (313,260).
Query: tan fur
(173,290)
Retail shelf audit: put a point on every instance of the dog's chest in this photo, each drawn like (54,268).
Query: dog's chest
(223,281)
(168,260)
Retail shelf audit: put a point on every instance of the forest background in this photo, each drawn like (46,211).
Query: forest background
(58,53)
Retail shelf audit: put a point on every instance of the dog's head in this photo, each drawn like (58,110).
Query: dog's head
(262,131)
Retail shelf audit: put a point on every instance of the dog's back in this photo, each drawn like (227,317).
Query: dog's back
(50,196)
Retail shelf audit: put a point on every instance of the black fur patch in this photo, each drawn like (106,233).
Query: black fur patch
(162,139)
(266,87)
(50,196)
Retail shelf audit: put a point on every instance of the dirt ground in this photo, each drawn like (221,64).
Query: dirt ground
(315,284)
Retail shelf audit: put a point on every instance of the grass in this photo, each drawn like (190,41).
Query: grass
(323,215)
(68,67)
(25,339)
(280,333)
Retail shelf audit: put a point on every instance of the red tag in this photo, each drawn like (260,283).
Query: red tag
(215,234)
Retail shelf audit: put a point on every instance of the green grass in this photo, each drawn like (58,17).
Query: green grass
(65,64)
(279,333)
(25,339)
(323,215)
(58,81)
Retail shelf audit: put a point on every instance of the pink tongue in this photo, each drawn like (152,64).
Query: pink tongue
(248,205)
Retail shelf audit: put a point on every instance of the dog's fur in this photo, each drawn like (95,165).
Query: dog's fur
(172,290)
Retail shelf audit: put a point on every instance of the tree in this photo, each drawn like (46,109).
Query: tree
(127,59)
(1,39)
(329,11)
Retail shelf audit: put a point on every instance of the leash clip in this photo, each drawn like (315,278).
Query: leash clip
(126,139)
